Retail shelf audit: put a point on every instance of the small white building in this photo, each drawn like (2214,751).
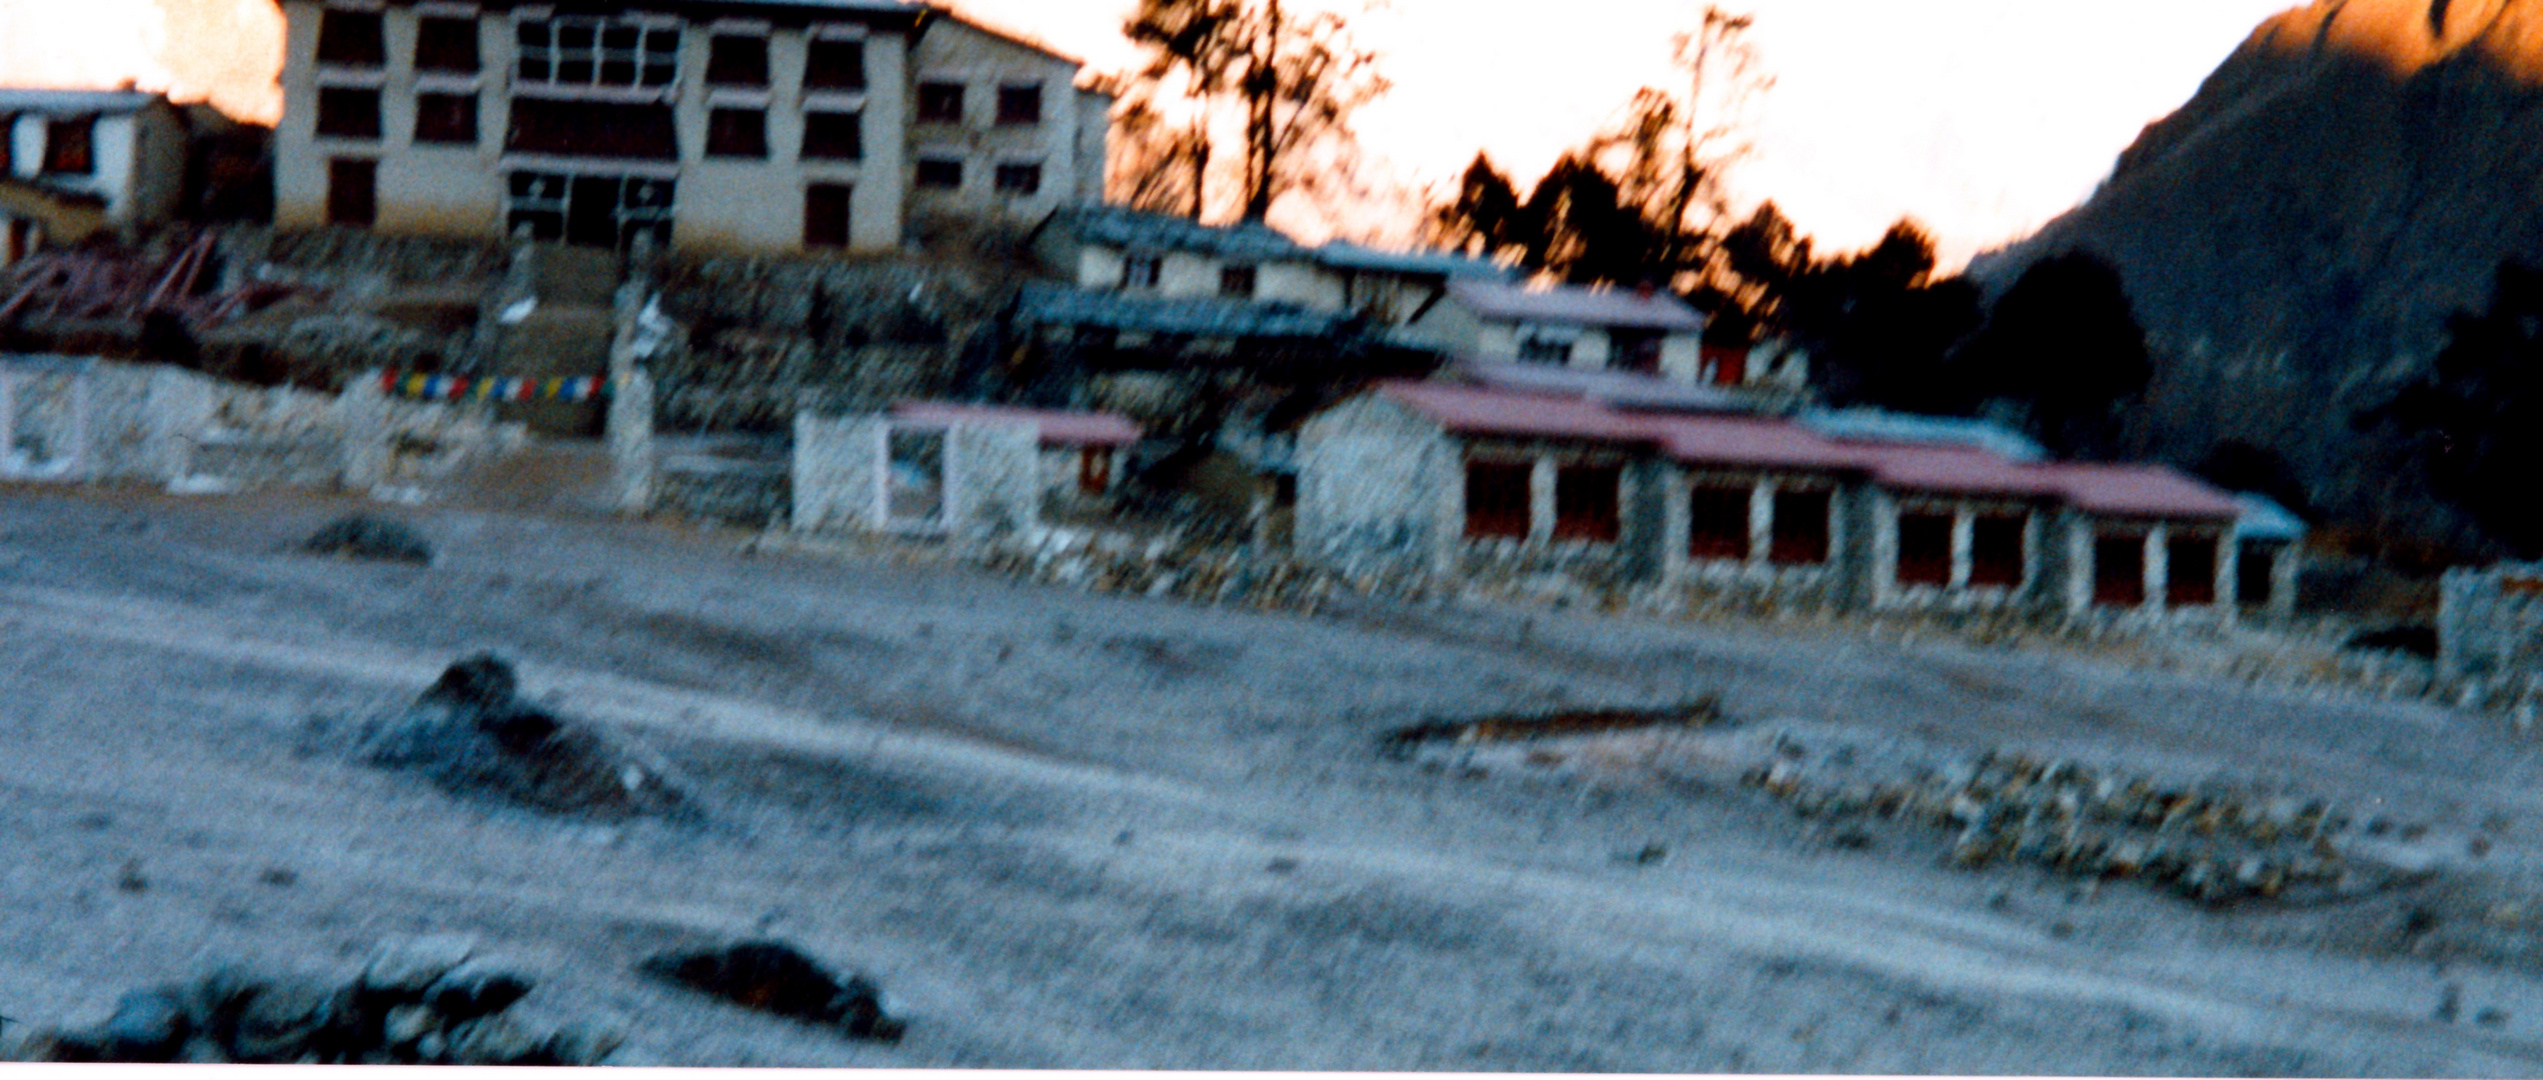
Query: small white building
(76,159)
(1644,331)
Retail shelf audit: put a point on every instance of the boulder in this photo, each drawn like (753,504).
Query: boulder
(404,968)
(148,1026)
(477,988)
(363,537)
(473,736)
(774,977)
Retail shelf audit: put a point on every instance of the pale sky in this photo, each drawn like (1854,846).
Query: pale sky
(1981,118)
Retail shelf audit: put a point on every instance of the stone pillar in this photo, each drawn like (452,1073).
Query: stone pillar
(1761,523)
(2158,569)
(1964,546)
(839,468)
(8,421)
(1541,501)
(992,480)
(629,431)
(365,411)
(81,455)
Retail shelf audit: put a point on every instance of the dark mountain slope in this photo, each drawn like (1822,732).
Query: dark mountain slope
(2295,236)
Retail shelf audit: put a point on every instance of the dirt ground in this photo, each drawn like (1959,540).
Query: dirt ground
(1065,830)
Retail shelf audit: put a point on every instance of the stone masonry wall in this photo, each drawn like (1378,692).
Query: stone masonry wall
(838,473)
(2490,622)
(993,480)
(1374,488)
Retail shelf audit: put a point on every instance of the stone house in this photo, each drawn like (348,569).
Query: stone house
(728,126)
(1114,249)
(1641,331)
(85,159)
(1473,478)
(1081,452)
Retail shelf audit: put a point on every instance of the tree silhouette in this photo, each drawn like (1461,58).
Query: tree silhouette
(1294,81)
(2473,426)
(2064,345)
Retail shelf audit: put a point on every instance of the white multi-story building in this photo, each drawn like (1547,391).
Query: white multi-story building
(701,125)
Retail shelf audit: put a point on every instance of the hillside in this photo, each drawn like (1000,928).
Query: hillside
(2295,236)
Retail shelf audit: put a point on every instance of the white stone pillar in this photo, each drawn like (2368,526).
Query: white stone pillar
(1541,479)
(1964,546)
(8,421)
(80,453)
(2158,576)
(629,429)
(1761,523)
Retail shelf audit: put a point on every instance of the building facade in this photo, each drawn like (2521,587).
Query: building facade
(701,125)
(77,160)
(1640,331)
(1465,480)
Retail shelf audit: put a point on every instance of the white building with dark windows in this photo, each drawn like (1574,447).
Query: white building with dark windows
(701,125)
(97,158)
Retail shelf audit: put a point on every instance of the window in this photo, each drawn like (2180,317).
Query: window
(597,52)
(446,45)
(1585,498)
(1728,364)
(1995,550)
(737,133)
(1019,179)
(353,192)
(737,60)
(834,65)
(834,136)
(941,173)
(351,39)
(2119,570)
(592,129)
(1497,499)
(1237,282)
(1717,523)
(70,146)
(446,118)
(940,103)
(1924,549)
(1635,350)
(1019,105)
(1540,347)
(1095,471)
(2255,574)
(826,215)
(8,153)
(1140,271)
(1801,528)
(2189,571)
(346,112)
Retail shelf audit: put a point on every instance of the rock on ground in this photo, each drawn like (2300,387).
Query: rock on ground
(473,736)
(362,537)
(775,977)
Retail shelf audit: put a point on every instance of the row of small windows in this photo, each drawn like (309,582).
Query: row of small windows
(1019,104)
(599,52)
(346,112)
(604,210)
(1237,281)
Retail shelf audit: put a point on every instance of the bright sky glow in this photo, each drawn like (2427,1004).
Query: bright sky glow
(1981,118)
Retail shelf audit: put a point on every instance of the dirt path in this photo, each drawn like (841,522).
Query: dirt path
(1078,831)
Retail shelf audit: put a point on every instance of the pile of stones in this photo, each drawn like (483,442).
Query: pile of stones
(472,734)
(2211,848)
(775,977)
(1166,569)
(424,1001)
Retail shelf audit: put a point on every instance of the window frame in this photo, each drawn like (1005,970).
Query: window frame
(1712,509)
(2198,590)
(1240,281)
(1589,502)
(1492,519)
(1152,263)
(1031,170)
(1789,542)
(846,235)
(1007,117)
(1923,568)
(355,50)
(475,133)
(851,46)
(424,27)
(76,156)
(932,93)
(1984,563)
(920,178)
(754,73)
(365,124)
(720,133)
(819,126)
(340,193)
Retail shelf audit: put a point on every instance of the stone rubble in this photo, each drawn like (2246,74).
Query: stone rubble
(472,735)
(774,977)
(422,1001)
(2207,847)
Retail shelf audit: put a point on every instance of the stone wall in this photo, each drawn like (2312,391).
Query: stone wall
(993,480)
(837,473)
(1376,488)
(356,259)
(2490,622)
(92,420)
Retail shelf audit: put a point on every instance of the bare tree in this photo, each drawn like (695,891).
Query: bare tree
(1287,83)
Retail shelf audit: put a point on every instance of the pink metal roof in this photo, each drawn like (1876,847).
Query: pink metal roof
(1751,442)
(1052,427)
(2140,491)
(1475,411)
(1760,442)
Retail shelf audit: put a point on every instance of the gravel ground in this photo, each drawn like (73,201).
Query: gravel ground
(1076,831)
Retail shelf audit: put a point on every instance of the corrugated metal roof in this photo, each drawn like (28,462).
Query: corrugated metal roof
(1751,442)
(1478,411)
(42,99)
(2264,519)
(1575,305)
(1951,470)
(1351,256)
(2140,491)
(1623,389)
(1209,317)
(1053,427)
(1123,227)
(1880,425)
